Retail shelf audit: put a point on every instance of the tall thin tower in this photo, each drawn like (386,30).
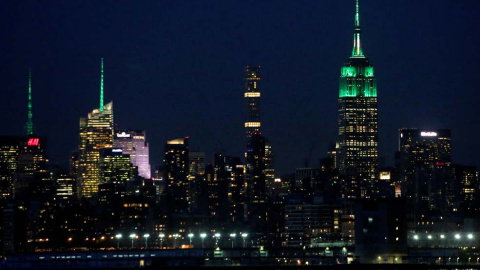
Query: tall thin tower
(101,87)
(357,121)
(96,133)
(252,96)
(29,124)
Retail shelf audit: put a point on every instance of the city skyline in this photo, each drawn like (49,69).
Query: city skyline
(207,103)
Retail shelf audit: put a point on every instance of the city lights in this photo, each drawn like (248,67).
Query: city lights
(309,168)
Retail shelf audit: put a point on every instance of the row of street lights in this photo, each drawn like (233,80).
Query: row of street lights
(133,237)
(162,236)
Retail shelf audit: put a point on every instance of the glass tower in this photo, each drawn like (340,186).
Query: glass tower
(357,121)
(96,133)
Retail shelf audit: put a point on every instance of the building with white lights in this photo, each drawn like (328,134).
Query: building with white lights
(133,143)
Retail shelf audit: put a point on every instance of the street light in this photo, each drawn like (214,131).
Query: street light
(146,239)
(233,235)
(470,236)
(217,236)
(457,236)
(244,236)
(118,236)
(190,235)
(203,235)
(175,236)
(133,237)
(161,240)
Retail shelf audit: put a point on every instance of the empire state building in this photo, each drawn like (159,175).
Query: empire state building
(357,121)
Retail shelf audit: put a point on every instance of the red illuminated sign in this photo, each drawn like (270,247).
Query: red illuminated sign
(33,142)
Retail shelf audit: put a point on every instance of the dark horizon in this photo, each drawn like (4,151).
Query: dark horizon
(176,69)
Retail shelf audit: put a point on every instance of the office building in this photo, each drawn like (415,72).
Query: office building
(269,167)
(177,187)
(96,133)
(236,191)
(10,148)
(357,154)
(467,188)
(424,166)
(197,180)
(133,143)
(34,181)
(65,187)
(116,167)
(196,163)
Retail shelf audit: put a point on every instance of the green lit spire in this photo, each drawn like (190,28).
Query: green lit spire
(30,115)
(357,48)
(101,89)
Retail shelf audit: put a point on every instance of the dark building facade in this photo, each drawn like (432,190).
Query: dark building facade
(380,229)
(357,121)
(177,189)
(424,166)
(256,184)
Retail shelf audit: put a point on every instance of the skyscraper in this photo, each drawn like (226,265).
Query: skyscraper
(177,188)
(10,148)
(33,180)
(133,143)
(252,96)
(357,121)
(425,167)
(116,166)
(259,155)
(256,184)
(96,133)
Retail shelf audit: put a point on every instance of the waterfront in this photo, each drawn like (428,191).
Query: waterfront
(217,259)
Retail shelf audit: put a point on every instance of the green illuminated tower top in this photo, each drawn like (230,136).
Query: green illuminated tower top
(357,77)
(357,48)
(30,115)
(101,89)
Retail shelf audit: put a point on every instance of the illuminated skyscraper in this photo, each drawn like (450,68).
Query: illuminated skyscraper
(252,96)
(134,143)
(96,133)
(357,121)
(33,180)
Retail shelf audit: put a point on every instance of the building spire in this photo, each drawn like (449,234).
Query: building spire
(101,89)
(30,115)
(357,48)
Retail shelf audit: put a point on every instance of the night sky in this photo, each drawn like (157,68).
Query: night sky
(175,68)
